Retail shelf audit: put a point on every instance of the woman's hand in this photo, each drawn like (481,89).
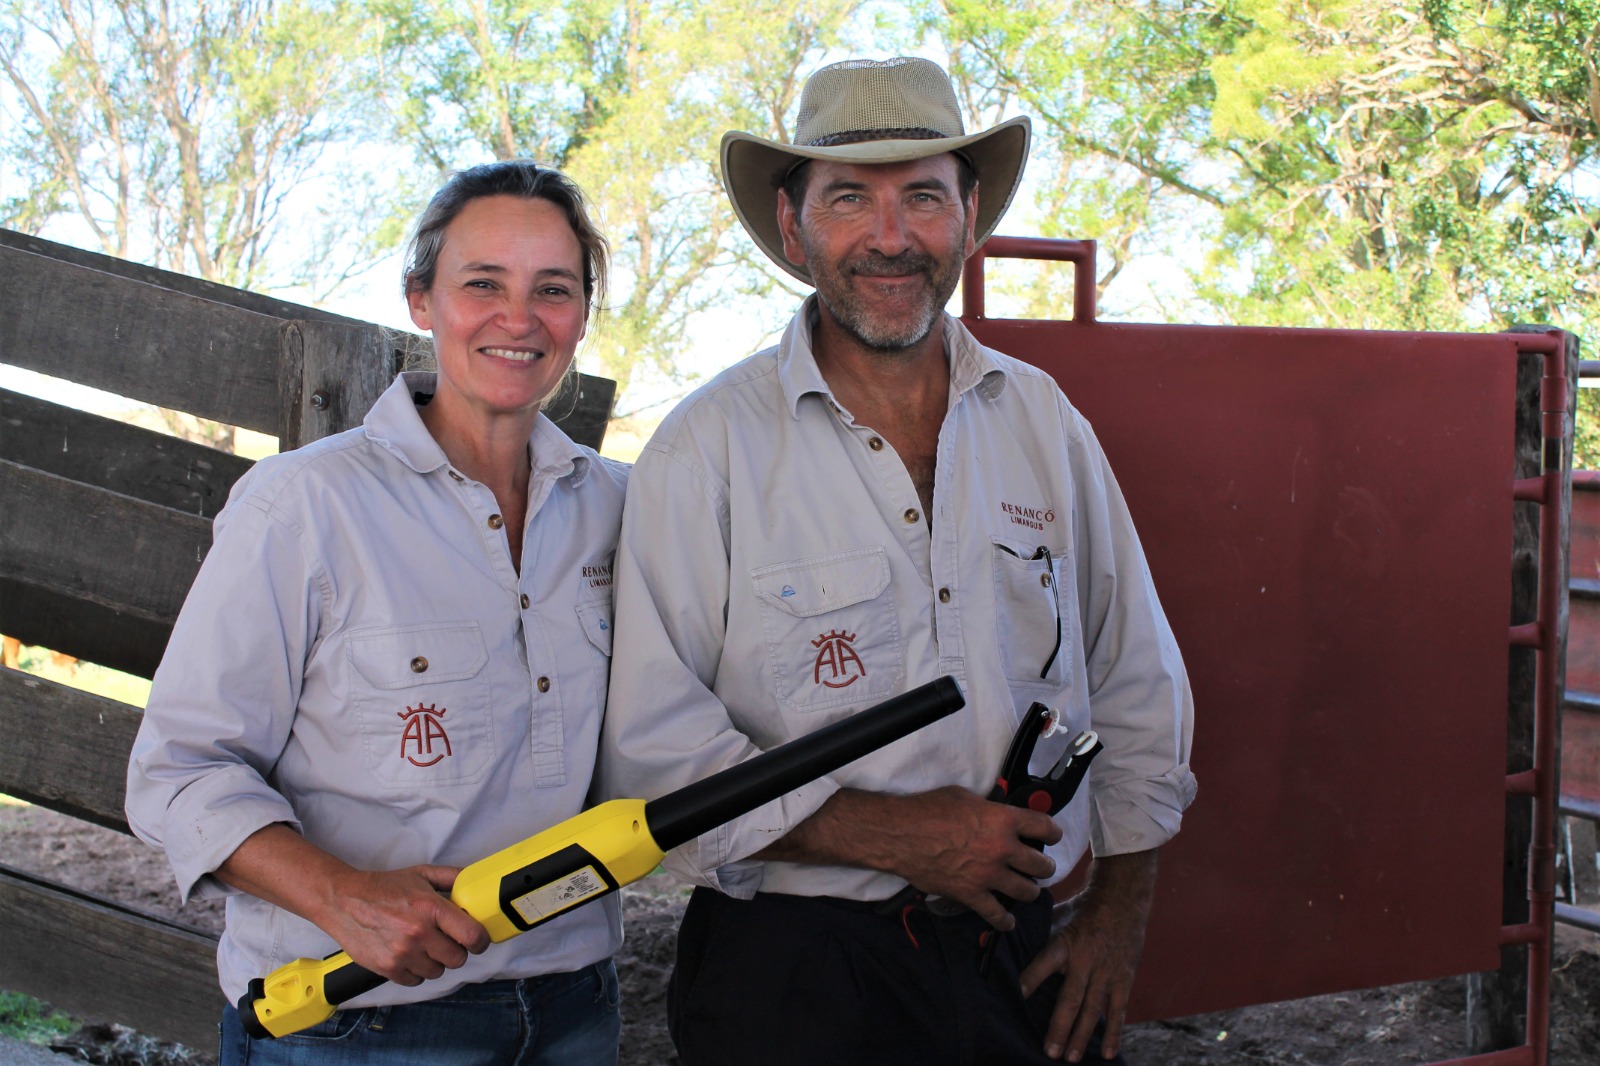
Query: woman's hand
(397,923)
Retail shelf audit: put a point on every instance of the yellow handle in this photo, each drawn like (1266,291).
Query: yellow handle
(572,863)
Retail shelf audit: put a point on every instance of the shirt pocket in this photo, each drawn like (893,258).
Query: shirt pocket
(1033,616)
(832,632)
(595,617)
(422,699)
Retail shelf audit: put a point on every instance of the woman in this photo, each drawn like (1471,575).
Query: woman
(393,663)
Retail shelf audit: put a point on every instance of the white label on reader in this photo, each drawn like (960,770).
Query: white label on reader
(548,900)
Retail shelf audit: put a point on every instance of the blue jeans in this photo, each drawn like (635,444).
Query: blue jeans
(561,1019)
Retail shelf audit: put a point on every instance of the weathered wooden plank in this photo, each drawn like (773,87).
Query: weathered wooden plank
(65,749)
(583,408)
(131,460)
(330,375)
(138,340)
(95,545)
(84,630)
(95,959)
(166,279)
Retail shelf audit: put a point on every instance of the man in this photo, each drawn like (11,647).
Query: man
(877,501)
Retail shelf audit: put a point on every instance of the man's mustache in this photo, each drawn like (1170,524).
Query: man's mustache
(879,266)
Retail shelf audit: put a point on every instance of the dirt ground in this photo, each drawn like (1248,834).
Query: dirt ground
(1419,1023)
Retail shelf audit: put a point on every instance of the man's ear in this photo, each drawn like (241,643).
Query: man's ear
(417,302)
(971,243)
(794,249)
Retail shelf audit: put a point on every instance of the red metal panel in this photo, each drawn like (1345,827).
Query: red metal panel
(1580,727)
(1585,527)
(1328,517)
(1583,643)
(1580,754)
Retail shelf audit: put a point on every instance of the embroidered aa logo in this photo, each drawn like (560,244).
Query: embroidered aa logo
(837,659)
(424,741)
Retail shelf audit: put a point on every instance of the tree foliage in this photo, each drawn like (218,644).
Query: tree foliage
(174,130)
(631,98)
(1418,164)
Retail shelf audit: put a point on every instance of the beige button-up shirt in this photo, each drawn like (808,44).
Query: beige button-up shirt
(359,658)
(775,573)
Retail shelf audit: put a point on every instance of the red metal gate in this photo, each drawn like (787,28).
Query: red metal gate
(1328,515)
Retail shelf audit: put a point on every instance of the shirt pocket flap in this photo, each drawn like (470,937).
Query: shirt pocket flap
(403,656)
(826,583)
(596,620)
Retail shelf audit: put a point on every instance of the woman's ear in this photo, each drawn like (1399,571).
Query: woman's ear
(418,303)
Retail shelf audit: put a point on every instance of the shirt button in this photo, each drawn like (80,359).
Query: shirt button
(525,601)
(1044,579)
(495,521)
(875,443)
(944,595)
(544,684)
(419,665)
(912,515)
(457,476)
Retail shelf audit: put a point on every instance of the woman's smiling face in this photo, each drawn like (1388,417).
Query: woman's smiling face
(506,308)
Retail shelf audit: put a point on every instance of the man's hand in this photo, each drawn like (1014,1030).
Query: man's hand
(395,923)
(948,842)
(1097,949)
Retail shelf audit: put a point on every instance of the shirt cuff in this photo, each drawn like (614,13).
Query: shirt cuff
(721,858)
(209,819)
(1134,816)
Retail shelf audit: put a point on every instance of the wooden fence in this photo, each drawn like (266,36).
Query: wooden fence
(102,529)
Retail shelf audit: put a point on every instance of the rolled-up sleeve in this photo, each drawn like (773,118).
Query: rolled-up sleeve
(1139,696)
(666,725)
(223,700)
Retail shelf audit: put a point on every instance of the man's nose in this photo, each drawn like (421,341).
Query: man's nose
(890,235)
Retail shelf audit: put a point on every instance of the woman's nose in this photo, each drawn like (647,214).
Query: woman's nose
(519,317)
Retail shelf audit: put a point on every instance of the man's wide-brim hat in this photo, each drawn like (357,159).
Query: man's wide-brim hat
(871,111)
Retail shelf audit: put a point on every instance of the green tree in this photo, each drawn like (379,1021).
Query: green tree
(631,98)
(176,130)
(1419,164)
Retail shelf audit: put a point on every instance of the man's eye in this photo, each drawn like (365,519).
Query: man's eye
(480,283)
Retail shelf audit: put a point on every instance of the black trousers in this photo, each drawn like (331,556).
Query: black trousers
(782,980)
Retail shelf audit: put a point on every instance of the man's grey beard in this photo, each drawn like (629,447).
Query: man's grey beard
(856,319)
(884,337)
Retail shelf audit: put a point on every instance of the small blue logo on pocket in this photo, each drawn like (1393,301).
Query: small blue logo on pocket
(604,625)
(788,590)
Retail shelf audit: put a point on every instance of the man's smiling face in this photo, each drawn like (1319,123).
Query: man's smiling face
(884,243)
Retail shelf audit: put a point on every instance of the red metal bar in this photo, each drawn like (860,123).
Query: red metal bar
(1519,934)
(1527,635)
(1079,253)
(1532,489)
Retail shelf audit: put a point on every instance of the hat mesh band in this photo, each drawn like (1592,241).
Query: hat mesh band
(902,133)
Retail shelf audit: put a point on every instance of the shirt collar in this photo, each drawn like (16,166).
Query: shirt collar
(972,366)
(395,424)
